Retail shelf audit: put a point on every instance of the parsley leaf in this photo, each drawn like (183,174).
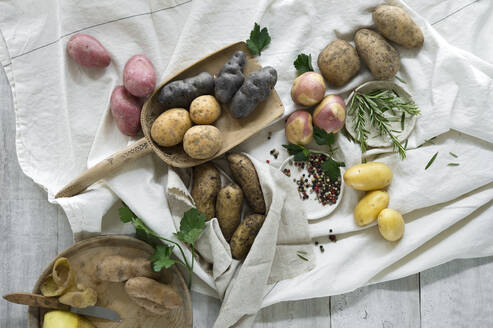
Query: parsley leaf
(303,63)
(126,214)
(191,225)
(322,137)
(300,153)
(259,39)
(331,169)
(162,257)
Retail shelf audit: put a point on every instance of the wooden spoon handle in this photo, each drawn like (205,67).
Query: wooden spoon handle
(36,300)
(107,166)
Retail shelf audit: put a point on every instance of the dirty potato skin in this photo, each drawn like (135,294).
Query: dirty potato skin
(228,209)
(170,127)
(245,175)
(205,110)
(154,296)
(245,234)
(206,185)
(380,57)
(202,141)
(396,25)
(338,62)
(118,268)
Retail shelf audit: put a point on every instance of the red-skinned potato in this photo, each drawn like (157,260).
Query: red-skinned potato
(299,128)
(86,51)
(308,89)
(125,109)
(330,114)
(139,76)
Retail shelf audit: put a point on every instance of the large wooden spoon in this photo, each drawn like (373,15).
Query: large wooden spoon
(234,131)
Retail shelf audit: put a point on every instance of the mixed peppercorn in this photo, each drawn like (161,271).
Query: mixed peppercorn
(316,181)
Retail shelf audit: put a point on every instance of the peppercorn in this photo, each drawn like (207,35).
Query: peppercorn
(322,248)
(333,238)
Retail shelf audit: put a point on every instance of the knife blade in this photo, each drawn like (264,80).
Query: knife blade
(52,303)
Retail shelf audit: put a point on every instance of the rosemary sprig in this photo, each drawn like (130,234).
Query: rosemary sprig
(373,105)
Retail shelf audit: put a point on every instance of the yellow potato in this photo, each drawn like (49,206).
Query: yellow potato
(368,176)
(205,110)
(170,127)
(370,206)
(390,224)
(64,319)
(202,141)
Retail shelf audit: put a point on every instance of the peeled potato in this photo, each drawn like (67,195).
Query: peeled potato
(64,319)
(390,224)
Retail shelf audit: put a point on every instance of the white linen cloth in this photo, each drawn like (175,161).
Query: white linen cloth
(63,123)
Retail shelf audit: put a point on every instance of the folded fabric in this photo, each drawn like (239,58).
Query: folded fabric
(63,125)
(272,257)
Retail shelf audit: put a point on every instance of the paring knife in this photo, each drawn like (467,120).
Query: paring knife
(52,303)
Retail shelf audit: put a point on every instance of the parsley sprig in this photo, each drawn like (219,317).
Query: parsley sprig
(372,106)
(259,39)
(322,138)
(191,225)
(303,63)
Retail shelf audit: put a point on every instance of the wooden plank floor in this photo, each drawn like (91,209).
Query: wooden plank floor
(33,231)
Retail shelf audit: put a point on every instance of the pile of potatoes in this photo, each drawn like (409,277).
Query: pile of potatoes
(226,202)
(373,177)
(339,60)
(191,101)
(139,80)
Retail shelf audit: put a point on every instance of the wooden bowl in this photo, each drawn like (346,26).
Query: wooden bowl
(234,131)
(85,255)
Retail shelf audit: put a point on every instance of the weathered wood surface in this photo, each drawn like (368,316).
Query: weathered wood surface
(456,294)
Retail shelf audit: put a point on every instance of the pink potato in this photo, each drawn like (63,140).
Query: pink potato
(87,51)
(125,109)
(330,114)
(299,128)
(139,76)
(308,89)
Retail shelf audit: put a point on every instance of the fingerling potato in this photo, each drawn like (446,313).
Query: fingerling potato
(244,236)
(228,209)
(206,185)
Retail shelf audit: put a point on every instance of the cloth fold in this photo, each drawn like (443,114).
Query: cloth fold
(63,125)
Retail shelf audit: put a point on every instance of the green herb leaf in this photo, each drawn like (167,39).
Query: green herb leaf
(259,39)
(302,257)
(302,252)
(303,63)
(162,258)
(453,155)
(331,169)
(453,164)
(293,149)
(126,214)
(403,118)
(399,79)
(431,161)
(300,153)
(191,225)
(322,137)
